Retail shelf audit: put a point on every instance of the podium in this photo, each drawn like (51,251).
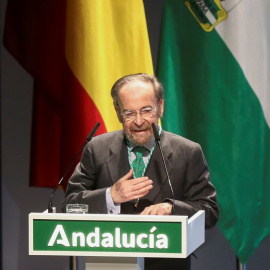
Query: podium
(119,238)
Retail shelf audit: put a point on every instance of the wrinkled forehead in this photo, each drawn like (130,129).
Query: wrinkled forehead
(136,95)
(138,85)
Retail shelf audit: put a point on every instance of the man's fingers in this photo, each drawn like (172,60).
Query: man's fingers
(138,196)
(151,210)
(125,189)
(142,184)
(147,211)
(138,193)
(132,191)
(158,209)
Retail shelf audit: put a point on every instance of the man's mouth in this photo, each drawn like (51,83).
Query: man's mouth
(139,131)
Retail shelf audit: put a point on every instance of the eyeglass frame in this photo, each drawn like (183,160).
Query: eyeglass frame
(153,111)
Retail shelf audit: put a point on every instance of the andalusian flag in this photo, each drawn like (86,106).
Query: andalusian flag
(215,66)
(75,50)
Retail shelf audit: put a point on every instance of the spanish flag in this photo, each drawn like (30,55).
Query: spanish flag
(75,51)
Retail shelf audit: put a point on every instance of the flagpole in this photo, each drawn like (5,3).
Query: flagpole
(239,265)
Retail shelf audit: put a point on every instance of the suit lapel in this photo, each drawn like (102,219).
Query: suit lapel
(155,169)
(118,164)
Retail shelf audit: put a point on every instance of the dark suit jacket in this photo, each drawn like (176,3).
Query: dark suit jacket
(105,160)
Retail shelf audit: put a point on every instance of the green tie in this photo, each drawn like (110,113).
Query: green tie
(138,164)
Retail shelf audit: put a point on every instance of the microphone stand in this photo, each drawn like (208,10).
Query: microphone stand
(157,138)
(88,139)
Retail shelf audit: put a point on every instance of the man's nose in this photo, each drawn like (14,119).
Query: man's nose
(139,120)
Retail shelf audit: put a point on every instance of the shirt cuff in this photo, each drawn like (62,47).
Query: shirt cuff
(111,207)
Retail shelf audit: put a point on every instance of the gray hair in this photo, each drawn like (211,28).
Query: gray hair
(141,77)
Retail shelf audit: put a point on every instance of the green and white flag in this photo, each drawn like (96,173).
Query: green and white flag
(215,66)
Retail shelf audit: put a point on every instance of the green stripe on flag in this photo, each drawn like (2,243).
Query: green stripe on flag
(209,100)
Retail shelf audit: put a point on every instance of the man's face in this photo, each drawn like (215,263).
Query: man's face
(135,96)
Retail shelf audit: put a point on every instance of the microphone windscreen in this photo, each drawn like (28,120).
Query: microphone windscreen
(93,131)
(157,137)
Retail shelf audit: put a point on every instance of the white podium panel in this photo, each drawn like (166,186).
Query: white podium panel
(115,235)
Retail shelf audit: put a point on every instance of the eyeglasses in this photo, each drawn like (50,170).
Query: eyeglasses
(148,112)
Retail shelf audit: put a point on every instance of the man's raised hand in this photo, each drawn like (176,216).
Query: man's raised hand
(127,189)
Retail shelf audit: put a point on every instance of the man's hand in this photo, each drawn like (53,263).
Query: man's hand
(127,189)
(158,209)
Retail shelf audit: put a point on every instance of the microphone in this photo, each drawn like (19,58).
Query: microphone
(88,139)
(157,138)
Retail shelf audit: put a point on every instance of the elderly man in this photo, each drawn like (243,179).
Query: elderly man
(121,172)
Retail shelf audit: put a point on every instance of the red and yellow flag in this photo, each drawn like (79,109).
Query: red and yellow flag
(75,51)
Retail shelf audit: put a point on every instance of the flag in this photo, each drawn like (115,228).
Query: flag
(214,63)
(75,51)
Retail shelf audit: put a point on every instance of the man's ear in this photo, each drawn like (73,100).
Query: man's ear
(119,116)
(161,107)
